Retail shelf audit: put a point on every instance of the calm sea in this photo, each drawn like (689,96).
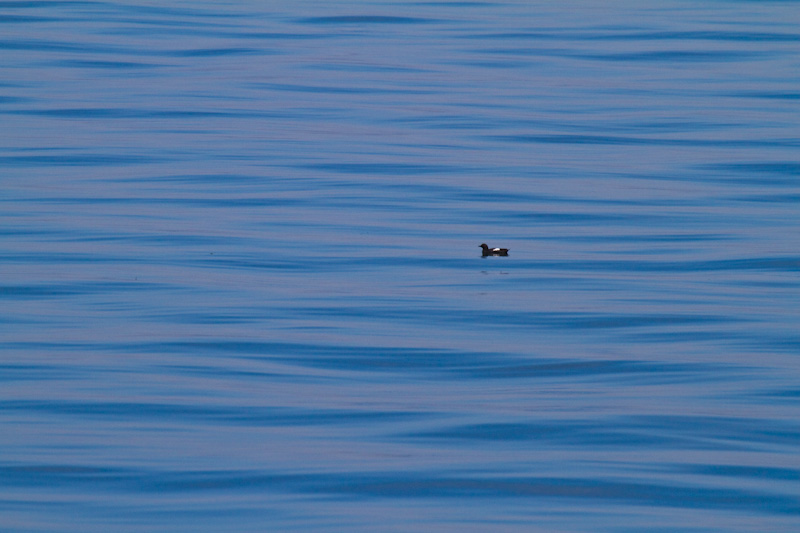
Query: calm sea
(241,288)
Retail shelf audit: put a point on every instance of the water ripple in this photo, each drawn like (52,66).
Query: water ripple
(242,290)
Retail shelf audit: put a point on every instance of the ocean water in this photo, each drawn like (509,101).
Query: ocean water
(241,288)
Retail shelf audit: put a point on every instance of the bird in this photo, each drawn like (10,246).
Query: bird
(493,251)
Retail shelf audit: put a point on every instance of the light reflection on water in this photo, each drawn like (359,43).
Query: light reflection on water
(242,289)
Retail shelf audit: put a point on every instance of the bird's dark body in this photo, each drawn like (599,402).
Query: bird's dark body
(493,251)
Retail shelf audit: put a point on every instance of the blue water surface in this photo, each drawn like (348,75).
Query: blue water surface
(241,288)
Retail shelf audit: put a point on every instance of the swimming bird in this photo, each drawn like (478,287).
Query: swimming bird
(493,251)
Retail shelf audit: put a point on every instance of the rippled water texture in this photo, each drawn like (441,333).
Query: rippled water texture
(241,288)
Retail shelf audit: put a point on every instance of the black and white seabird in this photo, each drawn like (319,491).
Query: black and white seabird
(493,251)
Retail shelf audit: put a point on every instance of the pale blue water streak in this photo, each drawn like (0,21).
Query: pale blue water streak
(242,290)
